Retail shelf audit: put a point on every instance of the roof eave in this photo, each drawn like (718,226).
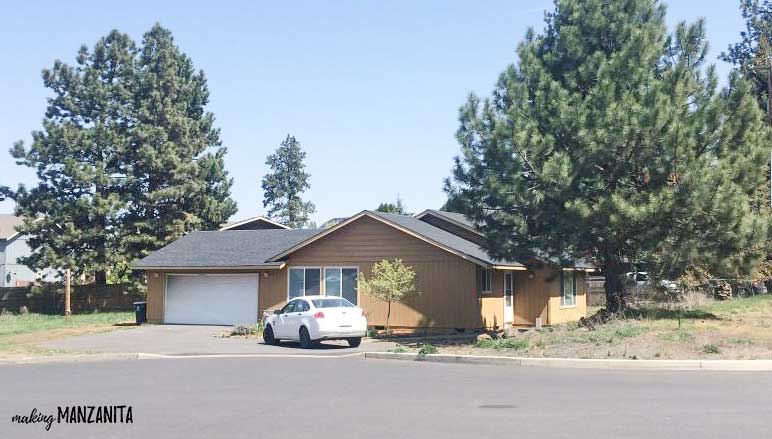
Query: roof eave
(210,267)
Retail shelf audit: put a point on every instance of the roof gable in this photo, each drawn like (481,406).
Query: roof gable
(254,223)
(419,229)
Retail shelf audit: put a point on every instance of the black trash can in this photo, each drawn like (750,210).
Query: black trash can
(140,312)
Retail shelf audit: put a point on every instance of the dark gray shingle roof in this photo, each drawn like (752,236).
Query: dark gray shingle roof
(227,248)
(453,216)
(444,238)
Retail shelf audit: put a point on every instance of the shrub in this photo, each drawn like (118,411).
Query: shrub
(427,349)
(504,343)
(243,330)
(398,350)
(710,349)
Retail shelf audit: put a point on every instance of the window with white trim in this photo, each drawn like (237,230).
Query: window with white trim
(483,280)
(304,281)
(568,288)
(341,282)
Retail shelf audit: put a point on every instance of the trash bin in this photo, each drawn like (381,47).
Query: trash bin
(140,312)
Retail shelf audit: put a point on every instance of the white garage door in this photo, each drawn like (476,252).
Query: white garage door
(211,299)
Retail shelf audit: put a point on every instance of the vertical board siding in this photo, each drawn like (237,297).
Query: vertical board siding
(446,283)
(155,296)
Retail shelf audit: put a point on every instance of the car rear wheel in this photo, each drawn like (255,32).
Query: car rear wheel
(305,339)
(268,336)
(354,342)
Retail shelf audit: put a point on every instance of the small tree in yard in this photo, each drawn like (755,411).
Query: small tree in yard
(389,282)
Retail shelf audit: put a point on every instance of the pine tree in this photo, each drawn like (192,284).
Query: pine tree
(397,207)
(178,181)
(609,141)
(282,187)
(753,54)
(73,214)
(127,159)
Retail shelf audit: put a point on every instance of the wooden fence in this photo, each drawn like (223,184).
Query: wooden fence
(83,298)
(596,291)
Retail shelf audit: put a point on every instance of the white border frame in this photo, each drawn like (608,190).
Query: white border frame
(504,290)
(562,287)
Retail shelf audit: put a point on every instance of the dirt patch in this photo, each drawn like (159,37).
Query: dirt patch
(738,329)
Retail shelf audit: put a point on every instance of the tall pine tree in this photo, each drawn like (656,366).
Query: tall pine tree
(73,214)
(127,159)
(608,140)
(178,181)
(283,186)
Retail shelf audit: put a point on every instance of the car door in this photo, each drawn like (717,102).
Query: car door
(295,318)
(281,323)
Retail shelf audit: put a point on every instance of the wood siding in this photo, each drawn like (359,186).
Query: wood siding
(447,298)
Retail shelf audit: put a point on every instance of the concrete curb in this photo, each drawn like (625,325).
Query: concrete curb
(69,358)
(580,363)
(42,359)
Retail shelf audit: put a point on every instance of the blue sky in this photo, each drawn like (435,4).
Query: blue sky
(371,89)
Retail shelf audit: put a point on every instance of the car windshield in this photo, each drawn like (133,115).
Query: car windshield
(332,303)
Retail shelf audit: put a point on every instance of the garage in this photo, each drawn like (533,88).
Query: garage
(202,299)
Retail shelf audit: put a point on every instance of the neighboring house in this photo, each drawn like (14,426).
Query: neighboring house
(230,277)
(254,223)
(13,246)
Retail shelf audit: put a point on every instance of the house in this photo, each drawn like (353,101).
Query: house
(254,223)
(13,246)
(232,276)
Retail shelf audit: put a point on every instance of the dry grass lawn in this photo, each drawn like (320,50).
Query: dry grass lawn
(21,334)
(700,329)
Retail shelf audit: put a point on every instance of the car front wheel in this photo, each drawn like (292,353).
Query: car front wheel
(305,339)
(354,342)
(268,336)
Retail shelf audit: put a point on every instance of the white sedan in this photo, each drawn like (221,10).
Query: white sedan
(309,319)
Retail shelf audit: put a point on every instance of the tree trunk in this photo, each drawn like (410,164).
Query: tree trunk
(388,314)
(615,287)
(100,277)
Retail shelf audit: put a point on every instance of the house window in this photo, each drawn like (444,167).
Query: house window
(483,280)
(568,288)
(341,282)
(509,288)
(304,281)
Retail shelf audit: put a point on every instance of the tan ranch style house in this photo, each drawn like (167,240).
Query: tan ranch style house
(232,275)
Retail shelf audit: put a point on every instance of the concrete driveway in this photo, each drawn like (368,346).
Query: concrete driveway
(191,340)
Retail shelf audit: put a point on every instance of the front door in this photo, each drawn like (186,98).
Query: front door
(509,302)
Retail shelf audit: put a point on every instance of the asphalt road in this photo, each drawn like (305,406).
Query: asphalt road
(357,398)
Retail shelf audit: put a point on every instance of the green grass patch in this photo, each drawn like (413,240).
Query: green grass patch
(761,304)
(710,349)
(13,324)
(427,349)
(500,344)
(740,341)
(398,350)
(677,335)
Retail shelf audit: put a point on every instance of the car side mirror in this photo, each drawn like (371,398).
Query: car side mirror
(277,311)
